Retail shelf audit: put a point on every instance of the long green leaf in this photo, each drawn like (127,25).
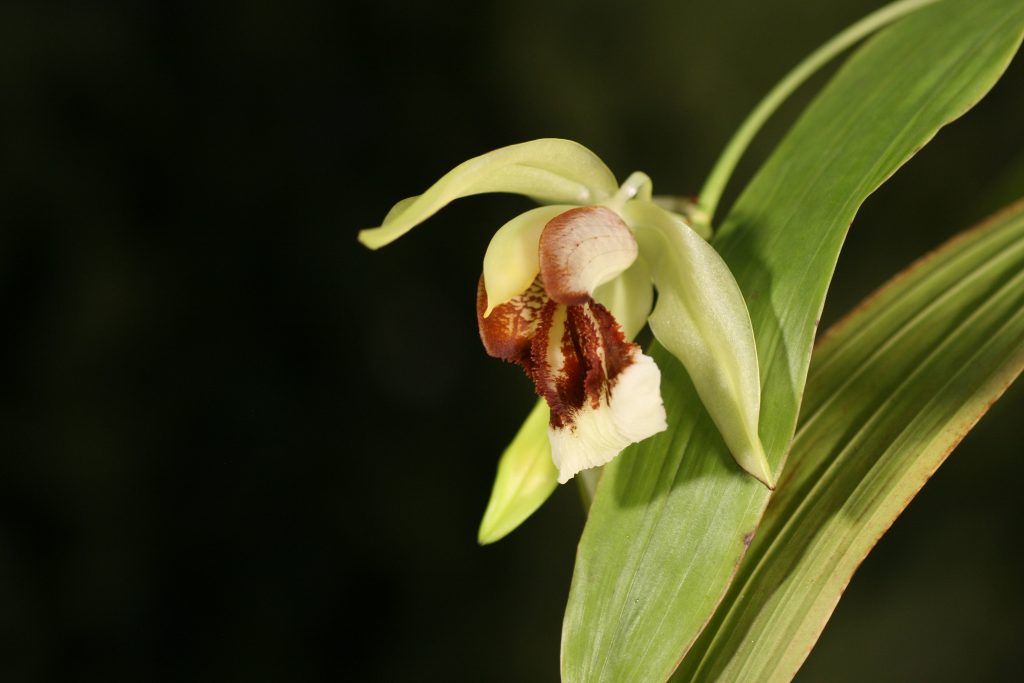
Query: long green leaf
(892,390)
(672,517)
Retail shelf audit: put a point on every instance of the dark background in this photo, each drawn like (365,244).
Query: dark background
(238,446)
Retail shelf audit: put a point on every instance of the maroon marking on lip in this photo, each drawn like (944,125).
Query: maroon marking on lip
(545,377)
(618,353)
(510,328)
(586,341)
(593,347)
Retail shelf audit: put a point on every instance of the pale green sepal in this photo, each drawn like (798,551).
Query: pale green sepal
(687,209)
(526,477)
(702,319)
(398,208)
(549,170)
(629,297)
(512,262)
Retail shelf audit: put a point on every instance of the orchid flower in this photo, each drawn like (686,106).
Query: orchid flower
(568,285)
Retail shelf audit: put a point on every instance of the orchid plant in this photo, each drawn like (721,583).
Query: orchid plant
(566,286)
(736,481)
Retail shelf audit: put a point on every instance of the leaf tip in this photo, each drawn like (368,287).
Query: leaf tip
(756,464)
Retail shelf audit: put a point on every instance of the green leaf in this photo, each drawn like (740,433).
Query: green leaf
(711,193)
(672,517)
(526,477)
(892,390)
(551,170)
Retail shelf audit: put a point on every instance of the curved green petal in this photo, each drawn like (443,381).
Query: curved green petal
(550,170)
(511,262)
(526,477)
(702,319)
(629,297)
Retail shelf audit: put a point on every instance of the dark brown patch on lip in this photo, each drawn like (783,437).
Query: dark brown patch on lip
(618,352)
(554,384)
(586,343)
(510,328)
(593,348)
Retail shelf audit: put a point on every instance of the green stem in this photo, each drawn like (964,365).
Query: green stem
(711,193)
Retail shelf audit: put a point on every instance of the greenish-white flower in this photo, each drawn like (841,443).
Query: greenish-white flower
(568,285)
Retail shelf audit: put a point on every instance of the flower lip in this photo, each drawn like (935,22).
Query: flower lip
(602,391)
(632,412)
